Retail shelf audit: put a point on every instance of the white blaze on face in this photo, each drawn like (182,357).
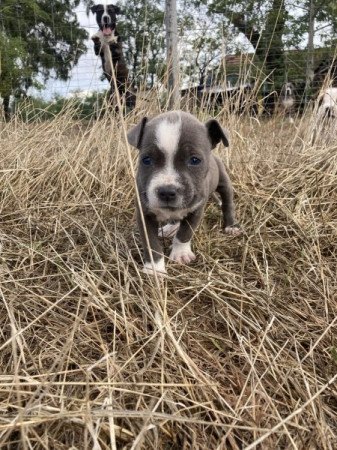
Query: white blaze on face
(105,14)
(167,139)
(168,135)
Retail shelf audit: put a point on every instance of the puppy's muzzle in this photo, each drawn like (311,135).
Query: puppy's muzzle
(167,194)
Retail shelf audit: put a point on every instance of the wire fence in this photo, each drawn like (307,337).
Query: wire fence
(196,63)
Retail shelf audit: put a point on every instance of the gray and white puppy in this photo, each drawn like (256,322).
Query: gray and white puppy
(176,174)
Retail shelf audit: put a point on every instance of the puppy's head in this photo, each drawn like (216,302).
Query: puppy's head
(106,17)
(175,150)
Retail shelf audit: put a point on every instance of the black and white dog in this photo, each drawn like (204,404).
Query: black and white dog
(287,101)
(108,44)
(177,173)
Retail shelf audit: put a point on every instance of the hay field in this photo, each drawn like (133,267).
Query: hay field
(236,351)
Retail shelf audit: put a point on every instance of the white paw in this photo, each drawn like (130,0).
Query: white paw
(155,268)
(181,252)
(168,230)
(234,230)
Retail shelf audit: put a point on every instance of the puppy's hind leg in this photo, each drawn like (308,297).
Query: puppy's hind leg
(227,205)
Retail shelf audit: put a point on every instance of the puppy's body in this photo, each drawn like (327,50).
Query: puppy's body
(176,175)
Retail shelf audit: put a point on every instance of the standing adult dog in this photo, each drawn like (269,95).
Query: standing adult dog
(177,172)
(287,101)
(108,45)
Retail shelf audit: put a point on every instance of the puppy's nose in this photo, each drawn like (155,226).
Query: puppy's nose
(167,193)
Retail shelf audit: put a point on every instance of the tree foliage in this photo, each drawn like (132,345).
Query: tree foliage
(142,28)
(274,26)
(325,16)
(142,31)
(38,38)
(80,106)
(202,39)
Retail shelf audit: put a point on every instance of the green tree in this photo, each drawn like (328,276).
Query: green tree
(264,25)
(141,27)
(39,39)
(202,38)
(274,26)
(143,32)
(318,18)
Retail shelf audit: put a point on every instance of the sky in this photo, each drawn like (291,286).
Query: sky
(86,75)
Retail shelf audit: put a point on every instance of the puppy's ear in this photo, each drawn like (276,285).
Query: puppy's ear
(94,9)
(135,135)
(216,133)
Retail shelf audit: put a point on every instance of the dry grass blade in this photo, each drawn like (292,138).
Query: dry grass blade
(237,351)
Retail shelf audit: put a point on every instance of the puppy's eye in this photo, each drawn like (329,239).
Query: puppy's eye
(147,161)
(194,161)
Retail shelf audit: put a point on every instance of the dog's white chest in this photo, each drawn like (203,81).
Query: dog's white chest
(105,45)
(288,102)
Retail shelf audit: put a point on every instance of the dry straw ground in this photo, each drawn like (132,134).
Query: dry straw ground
(237,351)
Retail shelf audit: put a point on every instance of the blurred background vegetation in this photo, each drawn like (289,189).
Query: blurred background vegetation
(274,41)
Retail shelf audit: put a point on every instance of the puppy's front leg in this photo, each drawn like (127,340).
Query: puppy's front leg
(155,249)
(181,247)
